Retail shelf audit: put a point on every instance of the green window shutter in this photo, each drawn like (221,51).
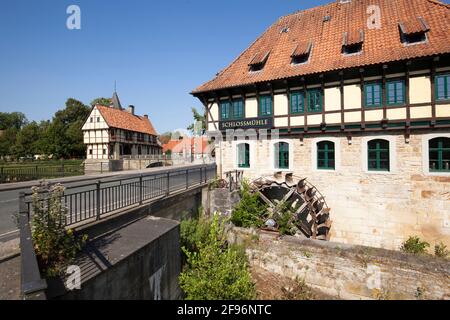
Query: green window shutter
(243,155)
(378,155)
(326,155)
(315,100)
(439,155)
(225,110)
(297,102)
(265,105)
(372,95)
(395,92)
(442,87)
(282,155)
(238,109)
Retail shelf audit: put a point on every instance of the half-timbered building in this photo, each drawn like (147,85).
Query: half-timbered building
(112,133)
(360,93)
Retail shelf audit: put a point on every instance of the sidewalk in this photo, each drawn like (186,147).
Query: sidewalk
(29,184)
(10,279)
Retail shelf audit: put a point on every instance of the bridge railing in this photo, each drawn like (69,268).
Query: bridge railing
(156,157)
(92,201)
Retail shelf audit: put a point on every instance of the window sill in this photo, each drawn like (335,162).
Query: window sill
(314,112)
(324,170)
(379,172)
(282,169)
(373,107)
(396,105)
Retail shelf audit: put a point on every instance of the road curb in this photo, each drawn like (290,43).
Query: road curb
(29,184)
(9,257)
(9,249)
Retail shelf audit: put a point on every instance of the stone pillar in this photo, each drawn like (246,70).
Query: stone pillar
(116,151)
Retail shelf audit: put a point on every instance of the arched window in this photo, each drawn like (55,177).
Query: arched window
(326,155)
(378,155)
(439,154)
(243,155)
(282,155)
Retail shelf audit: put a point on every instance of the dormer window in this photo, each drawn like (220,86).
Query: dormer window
(413,31)
(258,61)
(301,53)
(353,42)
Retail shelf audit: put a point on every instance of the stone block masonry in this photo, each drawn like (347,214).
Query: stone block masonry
(378,209)
(347,271)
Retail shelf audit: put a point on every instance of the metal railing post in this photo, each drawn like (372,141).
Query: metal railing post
(201,175)
(98,200)
(140,189)
(168,183)
(187,179)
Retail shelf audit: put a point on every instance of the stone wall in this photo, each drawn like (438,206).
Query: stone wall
(220,200)
(367,208)
(347,271)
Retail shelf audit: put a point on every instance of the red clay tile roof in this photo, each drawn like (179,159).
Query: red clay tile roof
(198,144)
(301,49)
(414,26)
(354,37)
(380,45)
(121,119)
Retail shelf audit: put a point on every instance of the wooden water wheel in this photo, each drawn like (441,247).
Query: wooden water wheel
(308,212)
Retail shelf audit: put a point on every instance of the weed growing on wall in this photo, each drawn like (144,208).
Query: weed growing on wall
(249,212)
(214,270)
(415,245)
(55,245)
(440,250)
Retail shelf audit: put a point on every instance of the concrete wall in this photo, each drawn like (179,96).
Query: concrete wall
(133,255)
(141,261)
(347,271)
(379,209)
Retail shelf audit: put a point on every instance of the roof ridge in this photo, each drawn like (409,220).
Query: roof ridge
(439,3)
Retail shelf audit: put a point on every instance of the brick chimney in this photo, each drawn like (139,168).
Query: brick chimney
(131,109)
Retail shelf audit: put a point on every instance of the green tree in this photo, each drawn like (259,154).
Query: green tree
(199,125)
(65,138)
(27,140)
(101,101)
(7,141)
(12,120)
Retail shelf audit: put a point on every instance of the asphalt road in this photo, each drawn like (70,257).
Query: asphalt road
(9,199)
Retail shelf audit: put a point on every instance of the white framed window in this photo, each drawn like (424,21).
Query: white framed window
(436,154)
(379,154)
(243,154)
(326,154)
(282,154)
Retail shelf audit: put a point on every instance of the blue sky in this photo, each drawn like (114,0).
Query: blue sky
(158,51)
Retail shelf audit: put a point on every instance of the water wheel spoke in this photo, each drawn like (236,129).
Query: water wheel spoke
(267,201)
(300,202)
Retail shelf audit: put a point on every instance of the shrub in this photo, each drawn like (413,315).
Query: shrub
(55,246)
(300,291)
(216,271)
(415,246)
(194,232)
(250,211)
(440,250)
